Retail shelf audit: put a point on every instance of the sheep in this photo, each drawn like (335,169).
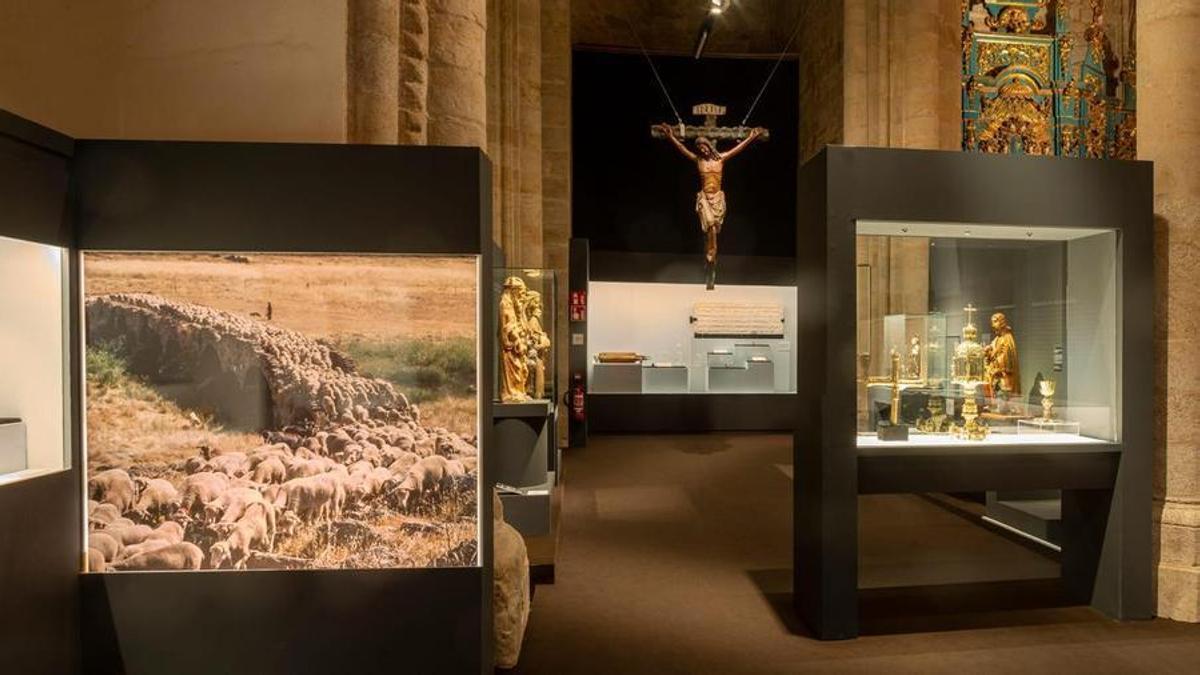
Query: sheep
(350,454)
(372,454)
(363,486)
(159,497)
(424,446)
(455,468)
(133,534)
(425,477)
(304,468)
(115,487)
(95,561)
(292,440)
(106,543)
(233,464)
(313,498)
(312,444)
(120,523)
(403,440)
(230,506)
(193,464)
(256,526)
(306,454)
(135,550)
(450,444)
(470,463)
(270,470)
(181,556)
(361,466)
(201,488)
(335,443)
(169,531)
(264,452)
(370,484)
(403,462)
(103,514)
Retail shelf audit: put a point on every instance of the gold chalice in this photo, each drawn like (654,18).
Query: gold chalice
(1046,388)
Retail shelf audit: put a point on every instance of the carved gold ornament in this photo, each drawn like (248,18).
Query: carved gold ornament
(1014,115)
(1097,127)
(1125,143)
(994,56)
(1014,19)
(1070,140)
(1065,44)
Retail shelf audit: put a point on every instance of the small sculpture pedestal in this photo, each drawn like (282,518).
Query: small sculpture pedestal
(522,441)
(886,431)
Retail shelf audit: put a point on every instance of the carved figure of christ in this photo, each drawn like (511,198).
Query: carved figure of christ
(710,200)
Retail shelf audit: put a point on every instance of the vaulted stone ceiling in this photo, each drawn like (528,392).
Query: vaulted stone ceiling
(746,27)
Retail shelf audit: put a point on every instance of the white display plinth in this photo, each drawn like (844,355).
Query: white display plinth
(916,439)
(1040,426)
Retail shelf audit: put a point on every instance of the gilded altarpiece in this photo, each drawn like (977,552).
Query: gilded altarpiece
(1026,90)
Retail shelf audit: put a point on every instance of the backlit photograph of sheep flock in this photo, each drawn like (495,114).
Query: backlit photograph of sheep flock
(280,411)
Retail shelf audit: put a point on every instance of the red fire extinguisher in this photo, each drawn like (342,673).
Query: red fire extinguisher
(576,395)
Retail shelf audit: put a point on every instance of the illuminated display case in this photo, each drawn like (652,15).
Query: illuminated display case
(34,364)
(188,327)
(1001,335)
(975,324)
(674,338)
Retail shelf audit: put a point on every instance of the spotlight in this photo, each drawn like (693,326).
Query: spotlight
(718,6)
(702,36)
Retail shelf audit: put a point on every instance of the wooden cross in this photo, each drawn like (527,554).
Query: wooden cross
(710,112)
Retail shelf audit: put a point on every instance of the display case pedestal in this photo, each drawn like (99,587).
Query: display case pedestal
(522,442)
(528,509)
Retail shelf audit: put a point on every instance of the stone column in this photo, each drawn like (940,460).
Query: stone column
(516,147)
(372,66)
(457,101)
(556,165)
(902,62)
(1169,135)
(413,122)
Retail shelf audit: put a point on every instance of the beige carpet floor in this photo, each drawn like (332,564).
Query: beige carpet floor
(675,556)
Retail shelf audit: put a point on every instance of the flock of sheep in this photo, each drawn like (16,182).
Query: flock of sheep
(352,451)
(230,509)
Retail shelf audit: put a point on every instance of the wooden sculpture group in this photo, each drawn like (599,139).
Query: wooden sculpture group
(524,343)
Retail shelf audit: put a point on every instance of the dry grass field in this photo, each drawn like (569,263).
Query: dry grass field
(371,303)
(374,297)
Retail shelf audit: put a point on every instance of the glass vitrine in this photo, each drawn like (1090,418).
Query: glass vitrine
(526,334)
(987,335)
(657,338)
(34,375)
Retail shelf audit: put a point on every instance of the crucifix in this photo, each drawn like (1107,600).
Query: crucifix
(710,162)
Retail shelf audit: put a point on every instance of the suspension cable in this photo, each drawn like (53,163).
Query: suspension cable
(774,68)
(657,78)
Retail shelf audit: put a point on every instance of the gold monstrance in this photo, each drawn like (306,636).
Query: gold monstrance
(970,372)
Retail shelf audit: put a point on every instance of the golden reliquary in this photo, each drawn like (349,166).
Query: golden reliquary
(969,370)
